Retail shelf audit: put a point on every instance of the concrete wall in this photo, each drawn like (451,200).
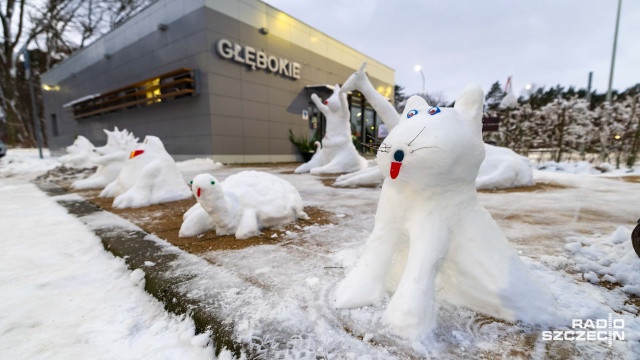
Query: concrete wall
(241,115)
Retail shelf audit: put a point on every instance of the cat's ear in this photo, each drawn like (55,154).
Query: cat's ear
(413,103)
(470,103)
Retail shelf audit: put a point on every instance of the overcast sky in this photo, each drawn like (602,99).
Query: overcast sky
(546,42)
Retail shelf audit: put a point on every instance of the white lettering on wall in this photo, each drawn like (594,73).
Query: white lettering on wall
(257,59)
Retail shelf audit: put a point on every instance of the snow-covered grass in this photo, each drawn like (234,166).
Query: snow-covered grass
(64,297)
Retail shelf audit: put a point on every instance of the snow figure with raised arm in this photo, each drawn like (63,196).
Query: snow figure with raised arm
(246,202)
(80,154)
(387,113)
(431,233)
(150,176)
(337,155)
(110,160)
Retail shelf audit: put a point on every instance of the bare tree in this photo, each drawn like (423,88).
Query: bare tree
(52,30)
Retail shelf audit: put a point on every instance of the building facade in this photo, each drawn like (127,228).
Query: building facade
(219,78)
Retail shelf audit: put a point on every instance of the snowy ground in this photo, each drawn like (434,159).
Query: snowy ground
(63,296)
(571,230)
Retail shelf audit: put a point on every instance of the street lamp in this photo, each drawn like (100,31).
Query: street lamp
(419,69)
(613,55)
(27,68)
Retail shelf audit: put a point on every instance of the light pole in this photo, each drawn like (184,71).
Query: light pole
(613,56)
(419,69)
(34,110)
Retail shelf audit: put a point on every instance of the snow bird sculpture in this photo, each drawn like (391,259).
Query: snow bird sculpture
(110,160)
(242,204)
(337,154)
(431,233)
(150,176)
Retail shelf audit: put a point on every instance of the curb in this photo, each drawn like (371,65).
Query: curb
(134,247)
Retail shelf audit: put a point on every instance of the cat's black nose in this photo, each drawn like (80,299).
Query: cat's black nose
(398,155)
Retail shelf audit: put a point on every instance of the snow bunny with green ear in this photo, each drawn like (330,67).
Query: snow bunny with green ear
(431,233)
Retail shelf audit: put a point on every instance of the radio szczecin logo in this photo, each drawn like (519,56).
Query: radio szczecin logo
(589,330)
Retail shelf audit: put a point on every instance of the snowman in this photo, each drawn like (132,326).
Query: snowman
(110,160)
(431,233)
(80,154)
(150,176)
(338,154)
(243,204)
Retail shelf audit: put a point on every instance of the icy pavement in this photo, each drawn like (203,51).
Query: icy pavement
(289,286)
(64,297)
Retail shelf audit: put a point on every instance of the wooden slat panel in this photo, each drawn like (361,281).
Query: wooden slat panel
(137,102)
(171,85)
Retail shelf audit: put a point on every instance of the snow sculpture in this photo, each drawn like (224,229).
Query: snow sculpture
(366,177)
(337,155)
(244,203)
(431,232)
(110,160)
(359,81)
(80,154)
(390,117)
(502,168)
(150,176)
(509,101)
(195,221)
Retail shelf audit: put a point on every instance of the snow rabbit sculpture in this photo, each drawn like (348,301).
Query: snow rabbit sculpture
(337,155)
(244,203)
(431,233)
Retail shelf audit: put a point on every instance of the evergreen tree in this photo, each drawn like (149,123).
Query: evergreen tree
(494,96)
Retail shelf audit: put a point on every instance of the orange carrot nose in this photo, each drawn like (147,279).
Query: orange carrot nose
(135,153)
(395,169)
(198,192)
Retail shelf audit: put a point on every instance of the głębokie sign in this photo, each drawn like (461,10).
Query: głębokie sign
(257,59)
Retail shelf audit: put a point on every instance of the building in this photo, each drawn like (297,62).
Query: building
(220,78)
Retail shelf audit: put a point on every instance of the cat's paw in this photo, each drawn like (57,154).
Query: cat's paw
(356,291)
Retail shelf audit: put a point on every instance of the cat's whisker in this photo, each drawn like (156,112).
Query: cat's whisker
(414,139)
(424,147)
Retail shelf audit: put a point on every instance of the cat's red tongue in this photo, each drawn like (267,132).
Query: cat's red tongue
(198,192)
(395,169)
